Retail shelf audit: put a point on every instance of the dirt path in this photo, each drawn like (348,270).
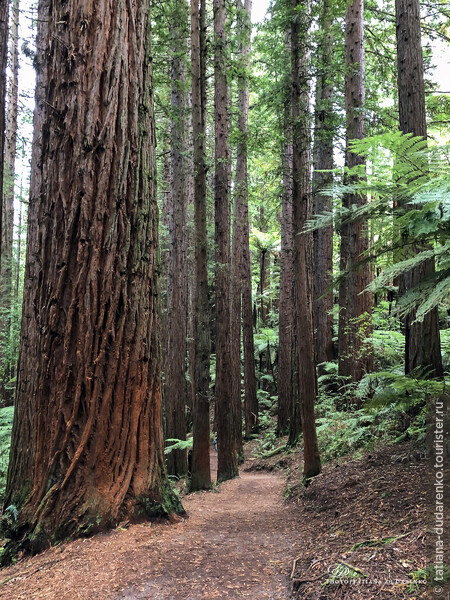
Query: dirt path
(236,543)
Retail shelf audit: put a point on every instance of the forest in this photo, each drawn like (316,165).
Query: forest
(224,299)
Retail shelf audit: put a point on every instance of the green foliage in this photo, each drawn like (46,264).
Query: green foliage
(178,445)
(6,421)
(408,187)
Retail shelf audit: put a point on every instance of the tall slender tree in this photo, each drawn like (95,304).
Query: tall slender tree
(422,339)
(302,254)
(87,447)
(200,470)
(4,9)
(240,201)
(177,297)
(355,305)
(10,153)
(285,318)
(227,459)
(324,134)
(6,287)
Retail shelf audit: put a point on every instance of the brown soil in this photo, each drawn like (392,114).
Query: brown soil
(368,513)
(235,543)
(243,540)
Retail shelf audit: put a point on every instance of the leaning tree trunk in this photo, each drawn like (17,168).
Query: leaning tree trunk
(302,255)
(324,133)
(422,339)
(4,7)
(200,470)
(285,311)
(227,459)
(87,447)
(175,360)
(355,306)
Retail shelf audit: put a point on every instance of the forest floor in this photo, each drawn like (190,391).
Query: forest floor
(257,537)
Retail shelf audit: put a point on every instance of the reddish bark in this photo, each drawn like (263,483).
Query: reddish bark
(200,470)
(324,133)
(285,319)
(227,459)
(302,255)
(355,307)
(177,297)
(88,407)
(422,339)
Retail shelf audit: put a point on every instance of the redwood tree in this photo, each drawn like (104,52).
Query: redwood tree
(200,470)
(4,7)
(302,255)
(87,447)
(285,320)
(422,339)
(322,177)
(227,459)
(177,296)
(355,307)
(240,203)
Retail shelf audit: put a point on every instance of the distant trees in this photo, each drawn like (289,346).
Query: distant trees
(302,254)
(355,356)
(87,446)
(422,338)
(200,470)
(177,290)
(4,8)
(228,466)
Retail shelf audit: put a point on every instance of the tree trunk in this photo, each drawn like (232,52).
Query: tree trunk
(285,319)
(4,9)
(6,289)
(302,252)
(175,363)
(324,133)
(355,307)
(240,201)
(88,406)
(422,339)
(200,470)
(227,459)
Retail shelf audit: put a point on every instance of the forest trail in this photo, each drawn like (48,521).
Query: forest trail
(235,543)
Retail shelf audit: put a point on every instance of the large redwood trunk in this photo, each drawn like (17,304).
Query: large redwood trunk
(324,133)
(200,470)
(177,297)
(302,256)
(227,459)
(422,339)
(355,307)
(87,446)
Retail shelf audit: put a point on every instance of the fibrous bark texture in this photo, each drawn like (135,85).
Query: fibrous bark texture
(227,459)
(422,339)
(177,297)
(87,446)
(285,319)
(200,470)
(323,161)
(240,202)
(355,307)
(302,250)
